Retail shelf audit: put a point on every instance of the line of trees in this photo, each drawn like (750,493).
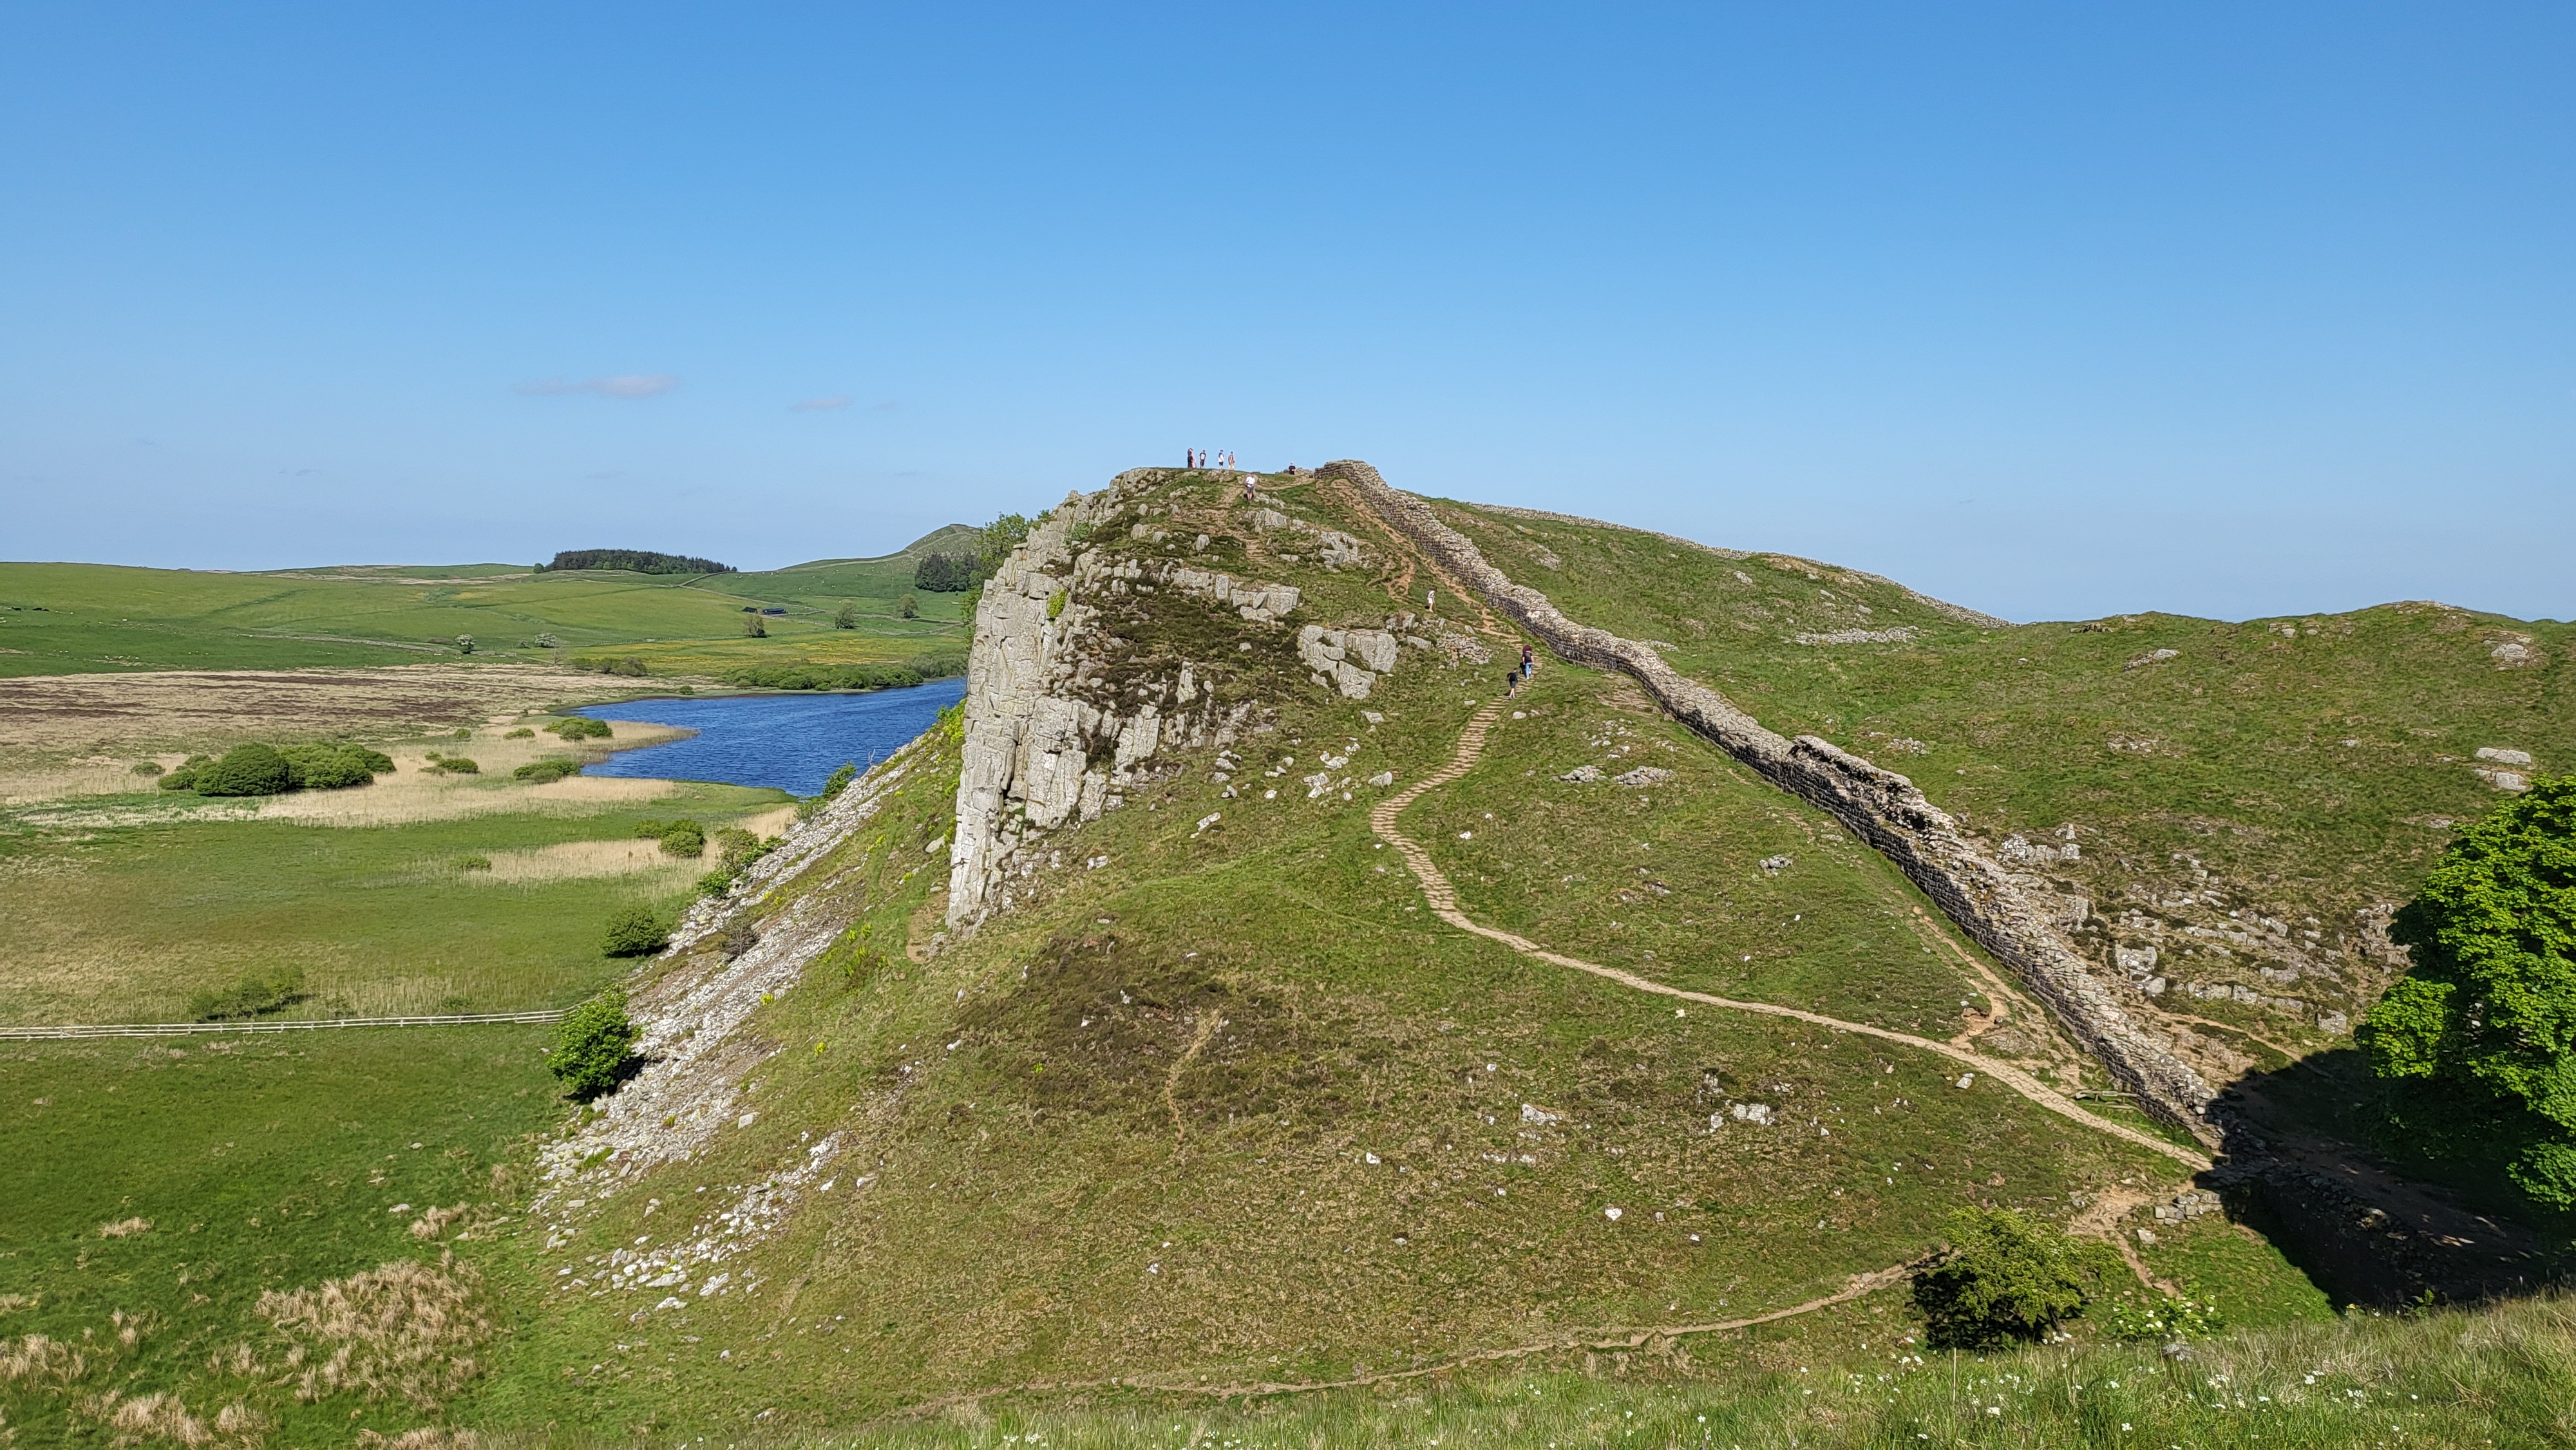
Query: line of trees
(637,561)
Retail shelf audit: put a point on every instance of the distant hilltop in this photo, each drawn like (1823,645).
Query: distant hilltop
(636,561)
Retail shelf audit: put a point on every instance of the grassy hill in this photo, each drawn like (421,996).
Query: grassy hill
(1435,1063)
(72,618)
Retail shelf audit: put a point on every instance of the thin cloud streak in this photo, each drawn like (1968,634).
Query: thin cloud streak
(621,385)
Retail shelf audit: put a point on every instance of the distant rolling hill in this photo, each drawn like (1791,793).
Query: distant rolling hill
(83,618)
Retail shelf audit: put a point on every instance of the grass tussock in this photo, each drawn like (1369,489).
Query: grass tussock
(34,1360)
(402,1329)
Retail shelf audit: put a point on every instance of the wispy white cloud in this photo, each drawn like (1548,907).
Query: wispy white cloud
(622,385)
(832,404)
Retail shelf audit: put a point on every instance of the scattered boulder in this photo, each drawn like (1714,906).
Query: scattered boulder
(1774,865)
(1643,775)
(2503,756)
(1582,774)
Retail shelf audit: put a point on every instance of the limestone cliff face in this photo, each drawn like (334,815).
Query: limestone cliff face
(1063,712)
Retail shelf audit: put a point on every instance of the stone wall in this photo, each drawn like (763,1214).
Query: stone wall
(1879,806)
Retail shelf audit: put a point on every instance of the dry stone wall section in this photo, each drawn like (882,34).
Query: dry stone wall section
(1879,806)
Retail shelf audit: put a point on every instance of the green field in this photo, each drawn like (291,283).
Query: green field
(1219,1102)
(70,618)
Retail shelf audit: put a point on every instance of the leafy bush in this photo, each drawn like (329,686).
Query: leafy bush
(546,772)
(908,606)
(630,665)
(580,727)
(847,616)
(594,1046)
(465,644)
(456,765)
(148,767)
(522,733)
(839,780)
(185,777)
(649,830)
(753,628)
(253,996)
(684,838)
(335,767)
(2479,1039)
(246,770)
(2002,1278)
(2166,1320)
(634,931)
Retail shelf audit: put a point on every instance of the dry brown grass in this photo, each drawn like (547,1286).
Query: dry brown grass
(569,860)
(125,1228)
(427,1437)
(37,1360)
(183,710)
(402,1328)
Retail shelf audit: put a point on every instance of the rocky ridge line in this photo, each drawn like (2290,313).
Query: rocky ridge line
(1883,808)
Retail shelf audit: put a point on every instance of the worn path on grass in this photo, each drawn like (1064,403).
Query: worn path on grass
(1444,902)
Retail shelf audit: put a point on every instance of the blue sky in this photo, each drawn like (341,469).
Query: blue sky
(2054,310)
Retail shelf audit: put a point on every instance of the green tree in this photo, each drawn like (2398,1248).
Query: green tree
(465,644)
(753,628)
(2480,1037)
(908,606)
(2003,1278)
(634,931)
(594,1046)
(848,615)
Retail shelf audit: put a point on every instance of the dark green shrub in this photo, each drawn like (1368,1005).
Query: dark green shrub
(649,830)
(185,777)
(847,616)
(2002,1279)
(839,780)
(684,838)
(753,628)
(640,561)
(246,770)
(335,767)
(148,767)
(522,733)
(715,883)
(594,1046)
(2478,1040)
(472,863)
(634,931)
(456,765)
(253,996)
(546,772)
(580,727)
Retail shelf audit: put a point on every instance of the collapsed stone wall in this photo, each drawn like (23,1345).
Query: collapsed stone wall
(1879,806)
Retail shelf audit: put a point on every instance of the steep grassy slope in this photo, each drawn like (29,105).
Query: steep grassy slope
(2274,784)
(1216,1099)
(72,618)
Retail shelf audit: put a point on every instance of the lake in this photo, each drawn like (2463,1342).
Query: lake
(793,742)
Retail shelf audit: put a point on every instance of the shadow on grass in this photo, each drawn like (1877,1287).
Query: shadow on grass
(2322,1159)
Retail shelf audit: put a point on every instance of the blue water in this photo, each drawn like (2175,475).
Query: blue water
(793,742)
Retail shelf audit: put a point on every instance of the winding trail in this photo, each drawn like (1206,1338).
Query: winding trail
(1444,903)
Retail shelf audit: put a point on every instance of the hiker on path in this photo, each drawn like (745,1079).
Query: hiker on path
(1527,660)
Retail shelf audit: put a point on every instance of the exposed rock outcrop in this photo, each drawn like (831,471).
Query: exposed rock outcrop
(1064,713)
(1880,806)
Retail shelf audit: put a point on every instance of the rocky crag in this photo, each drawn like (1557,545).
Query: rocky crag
(1108,642)
(1880,806)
